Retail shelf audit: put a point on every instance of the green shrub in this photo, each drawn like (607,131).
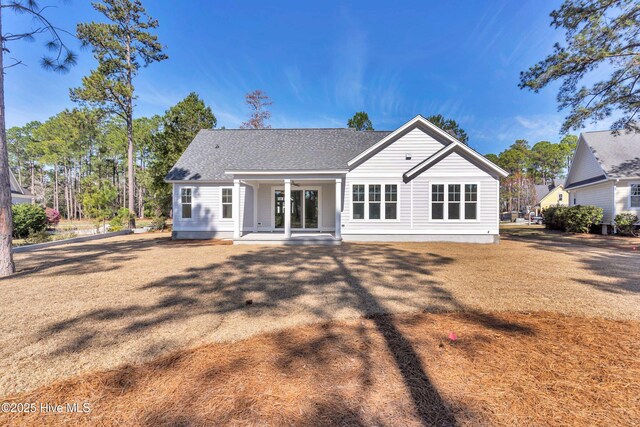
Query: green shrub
(35,237)
(158,223)
(580,219)
(625,223)
(554,217)
(122,219)
(28,219)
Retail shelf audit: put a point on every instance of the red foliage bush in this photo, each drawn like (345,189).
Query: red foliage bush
(53,216)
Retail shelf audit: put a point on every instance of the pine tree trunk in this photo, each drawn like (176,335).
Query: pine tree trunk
(6,225)
(55,189)
(132,189)
(33,180)
(66,192)
(140,203)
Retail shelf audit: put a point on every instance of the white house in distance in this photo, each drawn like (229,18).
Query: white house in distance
(18,194)
(417,183)
(605,172)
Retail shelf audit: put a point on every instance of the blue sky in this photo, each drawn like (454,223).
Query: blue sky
(322,61)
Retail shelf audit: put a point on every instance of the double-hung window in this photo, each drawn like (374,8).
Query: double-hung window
(374,201)
(471,201)
(358,201)
(634,196)
(457,202)
(390,201)
(454,201)
(185,201)
(227,203)
(437,201)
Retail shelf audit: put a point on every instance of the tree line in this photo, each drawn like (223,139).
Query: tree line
(544,163)
(82,155)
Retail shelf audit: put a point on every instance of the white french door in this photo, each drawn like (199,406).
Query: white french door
(304,208)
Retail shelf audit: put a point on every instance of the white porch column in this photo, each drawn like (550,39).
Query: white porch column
(256,188)
(338,231)
(235,208)
(287,208)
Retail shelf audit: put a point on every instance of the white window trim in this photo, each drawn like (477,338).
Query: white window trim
(221,204)
(382,203)
(635,208)
(446,201)
(180,199)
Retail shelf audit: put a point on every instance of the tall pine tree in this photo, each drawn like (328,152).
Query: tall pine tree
(121,47)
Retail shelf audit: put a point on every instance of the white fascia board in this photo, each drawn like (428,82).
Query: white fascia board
(439,155)
(193,182)
(286,172)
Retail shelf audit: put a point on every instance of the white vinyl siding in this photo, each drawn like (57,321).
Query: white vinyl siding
(623,197)
(414,205)
(597,195)
(584,165)
(392,159)
(206,208)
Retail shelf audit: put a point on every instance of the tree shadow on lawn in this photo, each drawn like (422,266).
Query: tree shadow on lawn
(82,258)
(612,259)
(364,279)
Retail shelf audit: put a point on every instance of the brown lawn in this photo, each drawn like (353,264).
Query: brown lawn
(504,369)
(95,306)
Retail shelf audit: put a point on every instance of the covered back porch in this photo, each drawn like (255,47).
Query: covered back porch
(294,208)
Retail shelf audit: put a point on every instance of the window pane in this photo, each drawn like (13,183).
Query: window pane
(186,195)
(471,192)
(470,210)
(437,193)
(454,210)
(186,211)
(437,210)
(358,193)
(374,193)
(374,210)
(635,196)
(454,192)
(227,195)
(390,210)
(311,209)
(227,211)
(391,193)
(358,211)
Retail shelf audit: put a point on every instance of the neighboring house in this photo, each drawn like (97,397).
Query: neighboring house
(18,193)
(550,195)
(417,183)
(605,172)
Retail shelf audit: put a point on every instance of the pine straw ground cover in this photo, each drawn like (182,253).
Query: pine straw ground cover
(503,369)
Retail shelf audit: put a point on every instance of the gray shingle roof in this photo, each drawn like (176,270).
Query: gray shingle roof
(619,155)
(542,190)
(214,151)
(15,187)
